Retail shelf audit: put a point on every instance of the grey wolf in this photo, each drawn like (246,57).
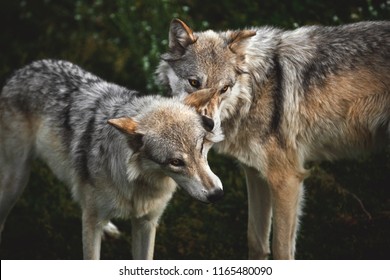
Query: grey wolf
(285,98)
(121,155)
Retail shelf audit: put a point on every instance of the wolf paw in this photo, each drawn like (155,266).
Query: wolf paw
(110,230)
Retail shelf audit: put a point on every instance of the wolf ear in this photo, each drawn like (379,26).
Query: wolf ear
(125,125)
(180,37)
(200,98)
(237,38)
(128,126)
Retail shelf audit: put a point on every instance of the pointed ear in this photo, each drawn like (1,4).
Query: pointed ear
(180,37)
(236,39)
(200,98)
(128,126)
(125,125)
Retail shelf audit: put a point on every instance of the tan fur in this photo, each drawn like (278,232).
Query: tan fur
(358,110)
(126,125)
(204,101)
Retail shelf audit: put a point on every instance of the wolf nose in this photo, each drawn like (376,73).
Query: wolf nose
(215,195)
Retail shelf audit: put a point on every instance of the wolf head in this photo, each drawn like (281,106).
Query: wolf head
(204,60)
(173,139)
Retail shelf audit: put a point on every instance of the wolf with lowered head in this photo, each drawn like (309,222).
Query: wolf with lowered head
(121,155)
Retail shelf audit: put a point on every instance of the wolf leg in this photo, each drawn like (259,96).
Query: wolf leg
(14,175)
(143,237)
(259,214)
(13,181)
(92,234)
(286,200)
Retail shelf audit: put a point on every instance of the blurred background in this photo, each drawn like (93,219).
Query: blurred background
(347,210)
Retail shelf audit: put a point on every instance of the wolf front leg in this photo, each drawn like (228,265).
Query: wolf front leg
(92,235)
(143,237)
(259,214)
(287,195)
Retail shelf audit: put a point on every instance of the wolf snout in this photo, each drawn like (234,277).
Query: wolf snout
(215,195)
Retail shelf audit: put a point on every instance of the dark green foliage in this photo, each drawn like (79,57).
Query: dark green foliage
(347,212)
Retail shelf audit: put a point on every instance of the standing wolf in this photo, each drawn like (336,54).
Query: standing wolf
(128,167)
(285,98)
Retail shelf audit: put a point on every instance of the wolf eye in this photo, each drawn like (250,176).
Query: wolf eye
(224,89)
(194,83)
(176,162)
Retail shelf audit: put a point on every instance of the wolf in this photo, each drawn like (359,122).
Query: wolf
(122,155)
(284,98)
